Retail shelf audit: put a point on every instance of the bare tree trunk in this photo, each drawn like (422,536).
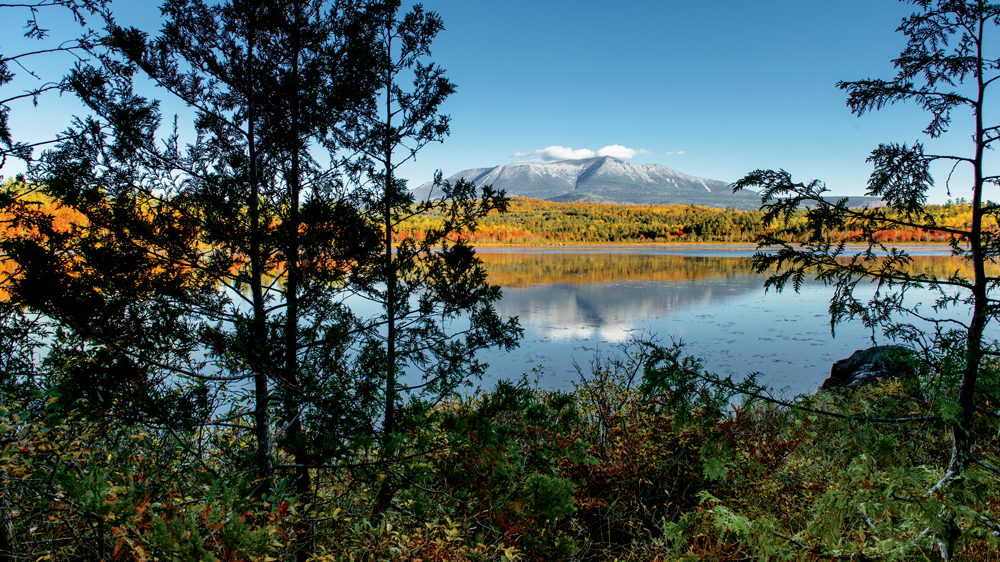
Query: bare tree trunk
(6,518)
(961,430)
(296,436)
(385,492)
(262,421)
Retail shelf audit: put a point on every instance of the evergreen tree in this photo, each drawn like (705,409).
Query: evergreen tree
(425,283)
(947,65)
(201,286)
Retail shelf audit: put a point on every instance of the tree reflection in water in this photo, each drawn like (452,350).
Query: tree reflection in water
(576,303)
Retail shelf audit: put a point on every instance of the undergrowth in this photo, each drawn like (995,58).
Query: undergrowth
(649,458)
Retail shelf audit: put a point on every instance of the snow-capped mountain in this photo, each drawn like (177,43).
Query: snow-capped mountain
(604,179)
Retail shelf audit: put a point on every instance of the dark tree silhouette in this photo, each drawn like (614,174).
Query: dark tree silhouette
(949,64)
(211,268)
(425,283)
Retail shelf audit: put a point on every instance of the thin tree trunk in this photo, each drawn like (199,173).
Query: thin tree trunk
(961,430)
(962,437)
(262,421)
(6,517)
(389,422)
(296,436)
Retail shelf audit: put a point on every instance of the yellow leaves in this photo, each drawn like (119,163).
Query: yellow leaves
(510,554)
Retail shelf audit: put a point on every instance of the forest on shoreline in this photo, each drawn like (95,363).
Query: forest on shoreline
(531,222)
(536,222)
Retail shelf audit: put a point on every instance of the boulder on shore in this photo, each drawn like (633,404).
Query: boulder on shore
(867,366)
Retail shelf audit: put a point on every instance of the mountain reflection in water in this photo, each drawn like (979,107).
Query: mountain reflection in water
(574,304)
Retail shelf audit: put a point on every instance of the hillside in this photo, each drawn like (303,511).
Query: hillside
(609,180)
(604,180)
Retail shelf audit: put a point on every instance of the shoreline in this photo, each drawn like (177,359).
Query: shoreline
(925,248)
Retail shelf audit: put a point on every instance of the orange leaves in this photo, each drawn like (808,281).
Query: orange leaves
(532,221)
(63,218)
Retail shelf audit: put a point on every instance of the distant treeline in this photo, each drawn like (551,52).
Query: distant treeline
(532,221)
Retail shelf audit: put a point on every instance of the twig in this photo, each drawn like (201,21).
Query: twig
(772,400)
(191,452)
(805,547)
(948,477)
(984,410)
(361,464)
(989,467)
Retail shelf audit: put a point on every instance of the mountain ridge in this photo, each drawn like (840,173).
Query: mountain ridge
(603,179)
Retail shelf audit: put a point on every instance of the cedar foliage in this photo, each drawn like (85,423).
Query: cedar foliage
(948,66)
(204,284)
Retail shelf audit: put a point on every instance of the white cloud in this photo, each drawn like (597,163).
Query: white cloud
(556,153)
(675,153)
(619,151)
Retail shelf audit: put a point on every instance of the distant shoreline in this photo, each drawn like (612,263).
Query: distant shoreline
(915,248)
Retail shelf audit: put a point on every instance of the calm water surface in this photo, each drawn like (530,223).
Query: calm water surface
(576,302)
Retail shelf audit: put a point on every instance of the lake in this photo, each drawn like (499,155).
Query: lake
(574,302)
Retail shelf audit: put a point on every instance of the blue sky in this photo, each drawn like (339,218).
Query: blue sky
(713,88)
